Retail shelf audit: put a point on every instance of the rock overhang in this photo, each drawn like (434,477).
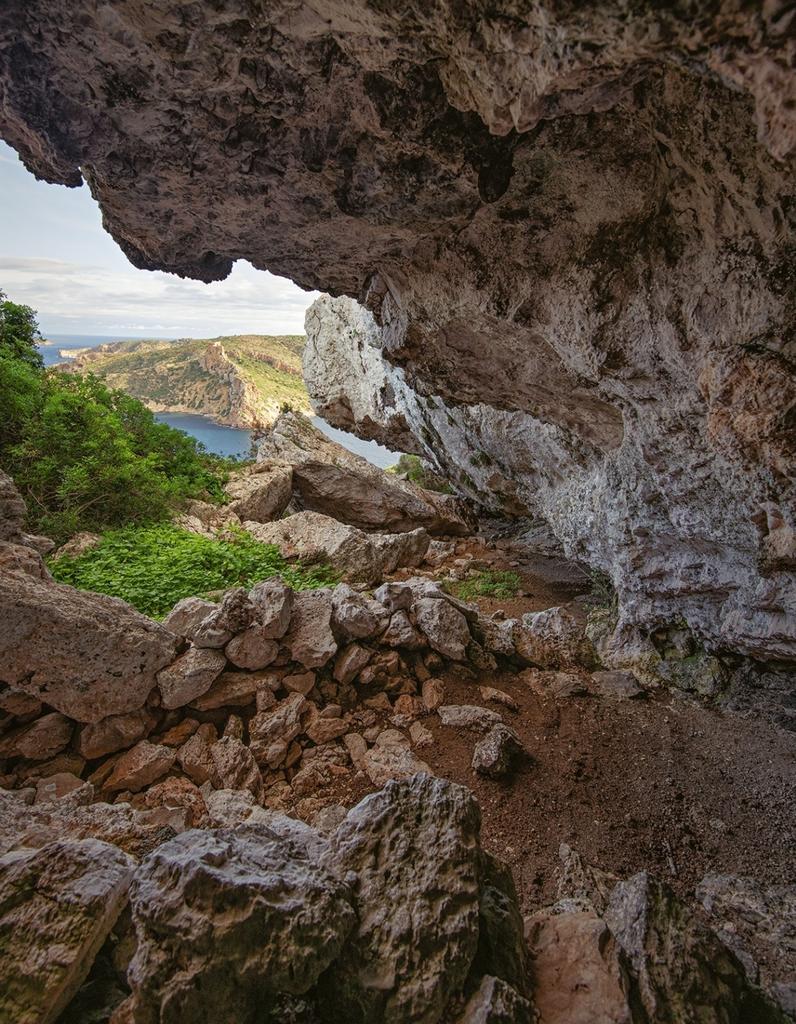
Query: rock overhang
(574,229)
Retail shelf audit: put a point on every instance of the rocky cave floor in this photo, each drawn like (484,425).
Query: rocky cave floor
(666,783)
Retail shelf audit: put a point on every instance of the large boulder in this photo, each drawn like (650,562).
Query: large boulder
(682,972)
(86,655)
(227,921)
(261,493)
(57,905)
(312,537)
(412,849)
(328,478)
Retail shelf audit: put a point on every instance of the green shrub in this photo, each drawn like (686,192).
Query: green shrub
(486,583)
(153,567)
(86,457)
(418,472)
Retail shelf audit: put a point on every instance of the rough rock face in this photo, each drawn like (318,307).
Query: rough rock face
(331,479)
(412,951)
(573,226)
(57,904)
(87,655)
(195,961)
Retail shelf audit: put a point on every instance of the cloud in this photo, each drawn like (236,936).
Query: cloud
(75,297)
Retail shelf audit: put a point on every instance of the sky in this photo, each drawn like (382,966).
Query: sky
(56,257)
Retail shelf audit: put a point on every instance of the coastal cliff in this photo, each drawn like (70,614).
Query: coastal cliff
(240,381)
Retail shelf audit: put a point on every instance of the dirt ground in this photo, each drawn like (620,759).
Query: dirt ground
(661,783)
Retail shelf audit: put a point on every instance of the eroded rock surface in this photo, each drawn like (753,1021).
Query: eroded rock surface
(86,655)
(57,904)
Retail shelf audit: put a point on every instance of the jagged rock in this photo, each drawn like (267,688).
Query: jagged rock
(468,716)
(420,735)
(229,807)
(401,633)
(232,689)
(178,794)
(497,637)
(498,753)
(750,916)
(312,537)
(350,662)
(495,1002)
(273,606)
(198,900)
(444,626)
(411,951)
(117,732)
(187,615)
(194,755)
(178,734)
(40,740)
(23,558)
(551,639)
(271,731)
(394,596)
(25,826)
(227,619)
(580,974)
(502,950)
(251,649)
(433,693)
(616,685)
(86,655)
(18,703)
(330,479)
(498,697)
(234,767)
(141,765)
(310,639)
(60,784)
(191,675)
(325,730)
(391,757)
(206,519)
(560,685)
(401,550)
(260,495)
(684,972)
(57,905)
(355,616)
(299,682)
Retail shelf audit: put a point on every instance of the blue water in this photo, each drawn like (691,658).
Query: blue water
(217,438)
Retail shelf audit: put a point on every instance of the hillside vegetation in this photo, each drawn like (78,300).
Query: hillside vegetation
(241,380)
(86,456)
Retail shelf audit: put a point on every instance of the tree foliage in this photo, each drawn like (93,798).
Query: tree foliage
(86,457)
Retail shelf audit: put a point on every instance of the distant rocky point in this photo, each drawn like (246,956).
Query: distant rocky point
(240,381)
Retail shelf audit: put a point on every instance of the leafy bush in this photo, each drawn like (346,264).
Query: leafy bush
(153,567)
(414,469)
(487,583)
(86,457)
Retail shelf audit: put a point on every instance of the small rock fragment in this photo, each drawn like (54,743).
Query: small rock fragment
(498,753)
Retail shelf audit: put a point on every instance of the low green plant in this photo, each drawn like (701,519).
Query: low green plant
(485,583)
(153,567)
(413,468)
